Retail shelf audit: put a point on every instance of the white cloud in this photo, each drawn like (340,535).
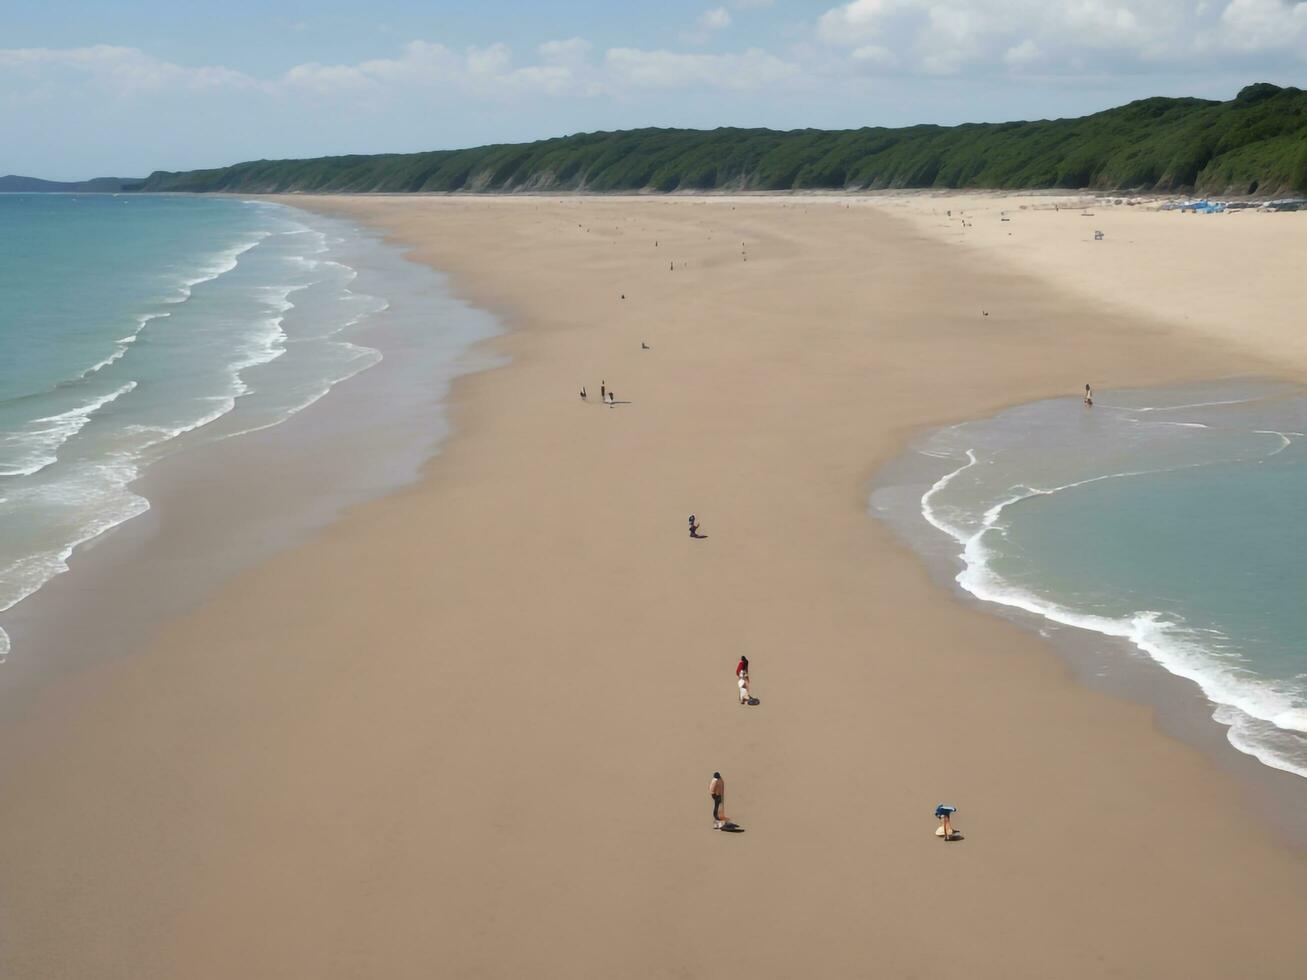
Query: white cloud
(875,56)
(489,61)
(328,80)
(570,52)
(478,71)
(956,37)
(1022,55)
(715,19)
(669,69)
(859,21)
(118,70)
(951,36)
(1108,38)
(565,67)
(710,21)
(1256,25)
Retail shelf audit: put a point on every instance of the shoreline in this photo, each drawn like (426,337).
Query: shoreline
(483,756)
(1112,665)
(123,584)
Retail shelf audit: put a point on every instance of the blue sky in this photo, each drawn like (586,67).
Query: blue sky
(124,88)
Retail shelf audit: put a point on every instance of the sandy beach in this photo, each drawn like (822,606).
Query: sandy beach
(467,730)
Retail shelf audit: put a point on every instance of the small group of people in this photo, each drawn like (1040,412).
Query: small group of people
(605,394)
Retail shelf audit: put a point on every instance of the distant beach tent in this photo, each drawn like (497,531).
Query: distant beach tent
(1197,207)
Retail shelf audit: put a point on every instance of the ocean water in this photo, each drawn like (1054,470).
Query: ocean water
(135,326)
(1175,520)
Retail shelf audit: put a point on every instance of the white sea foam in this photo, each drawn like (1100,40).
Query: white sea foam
(358,357)
(157,435)
(100,365)
(1252,708)
(224,262)
(99,493)
(221,264)
(1285,439)
(1211,404)
(87,496)
(365,357)
(36,445)
(122,345)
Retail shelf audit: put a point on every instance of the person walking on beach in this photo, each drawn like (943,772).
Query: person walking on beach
(1089,397)
(582,394)
(717,790)
(694,527)
(603,391)
(743,666)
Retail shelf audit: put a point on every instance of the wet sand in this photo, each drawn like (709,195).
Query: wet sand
(467,729)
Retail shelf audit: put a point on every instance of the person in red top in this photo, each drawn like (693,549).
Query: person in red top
(743,666)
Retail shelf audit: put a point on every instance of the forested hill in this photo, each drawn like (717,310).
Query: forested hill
(1254,144)
(13,184)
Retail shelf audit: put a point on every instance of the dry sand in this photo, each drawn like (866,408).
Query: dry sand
(1234,276)
(467,731)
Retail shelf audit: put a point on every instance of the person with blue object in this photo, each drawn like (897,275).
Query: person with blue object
(944,813)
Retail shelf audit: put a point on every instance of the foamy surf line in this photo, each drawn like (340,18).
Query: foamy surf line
(245,326)
(1245,700)
(985,496)
(37,444)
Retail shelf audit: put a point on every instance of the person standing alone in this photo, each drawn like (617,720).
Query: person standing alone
(742,679)
(717,790)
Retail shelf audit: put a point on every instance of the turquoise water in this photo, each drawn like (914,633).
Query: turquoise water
(1173,519)
(136,326)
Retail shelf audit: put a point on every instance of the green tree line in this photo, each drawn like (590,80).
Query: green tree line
(1254,144)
